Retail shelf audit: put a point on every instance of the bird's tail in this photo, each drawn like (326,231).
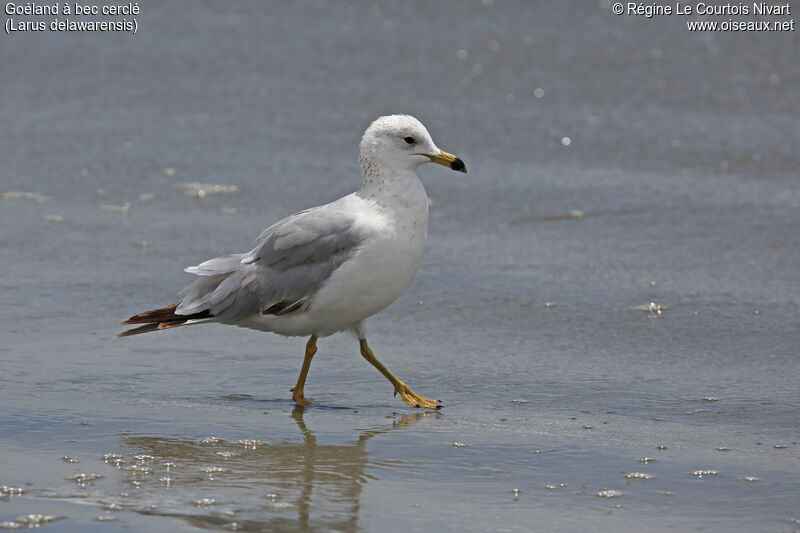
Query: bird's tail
(161,318)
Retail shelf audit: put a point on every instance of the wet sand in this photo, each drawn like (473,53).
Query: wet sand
(607,307)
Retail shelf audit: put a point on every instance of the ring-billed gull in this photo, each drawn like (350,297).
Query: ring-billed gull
(328,268)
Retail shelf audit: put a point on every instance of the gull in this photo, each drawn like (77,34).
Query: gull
(328,268)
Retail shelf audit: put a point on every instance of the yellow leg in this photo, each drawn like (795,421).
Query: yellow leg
(408,396)
(297,390)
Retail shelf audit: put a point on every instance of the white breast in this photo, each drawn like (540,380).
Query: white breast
(381,269)
(393,219)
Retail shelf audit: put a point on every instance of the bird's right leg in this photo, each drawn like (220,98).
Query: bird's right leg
(408,396)
(297,390)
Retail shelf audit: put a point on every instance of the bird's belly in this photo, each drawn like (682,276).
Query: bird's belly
(359,288)
(367,284)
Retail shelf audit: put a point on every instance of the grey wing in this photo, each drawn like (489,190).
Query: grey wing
(291,261)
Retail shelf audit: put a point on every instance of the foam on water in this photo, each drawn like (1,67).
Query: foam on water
(638,476)
(608,493)
(29,521)
(201,190)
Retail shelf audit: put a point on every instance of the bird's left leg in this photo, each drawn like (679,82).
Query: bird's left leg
(297,390)
(408,396)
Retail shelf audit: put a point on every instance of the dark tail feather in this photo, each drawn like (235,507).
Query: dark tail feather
(140,329)
(161,318)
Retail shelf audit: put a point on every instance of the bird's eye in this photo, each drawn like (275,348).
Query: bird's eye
(409,139)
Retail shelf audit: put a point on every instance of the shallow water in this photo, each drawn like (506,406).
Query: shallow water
(653,166)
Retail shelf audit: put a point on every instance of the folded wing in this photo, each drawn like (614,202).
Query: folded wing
(291,261)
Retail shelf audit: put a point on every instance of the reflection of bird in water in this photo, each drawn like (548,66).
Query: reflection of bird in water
(328,268)
(260,483)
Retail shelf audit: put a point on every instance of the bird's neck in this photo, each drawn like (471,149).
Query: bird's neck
(399,188)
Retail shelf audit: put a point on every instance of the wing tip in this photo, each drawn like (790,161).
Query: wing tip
(136,331)
(161,318)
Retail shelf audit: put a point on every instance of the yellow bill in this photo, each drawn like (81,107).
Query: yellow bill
(448,160)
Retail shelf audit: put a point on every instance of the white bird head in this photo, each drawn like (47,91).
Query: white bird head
(401,142)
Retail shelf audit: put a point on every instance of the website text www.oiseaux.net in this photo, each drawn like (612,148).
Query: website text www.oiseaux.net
(740,25)
(696,11)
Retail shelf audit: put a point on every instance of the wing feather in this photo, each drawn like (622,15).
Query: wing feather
(290,262)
